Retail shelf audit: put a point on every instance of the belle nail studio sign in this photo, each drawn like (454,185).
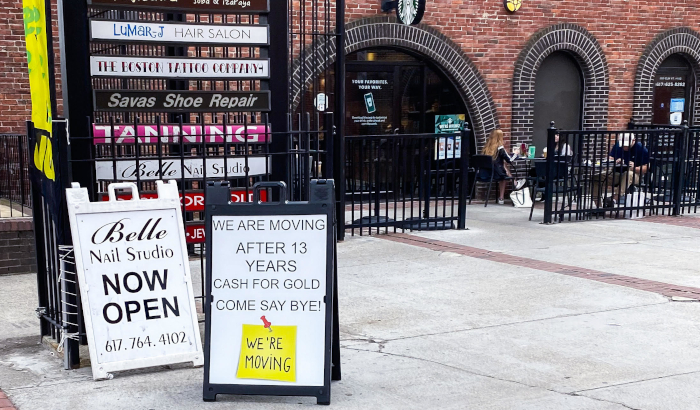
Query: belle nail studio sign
(186,101)
(175,67)
(269,296)
(196,168)
(129,31)
(134,276)
(195,6)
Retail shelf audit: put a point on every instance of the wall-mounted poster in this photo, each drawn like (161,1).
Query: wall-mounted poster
(449,147)
(677,104)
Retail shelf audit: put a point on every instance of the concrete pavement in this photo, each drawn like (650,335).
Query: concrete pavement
(424,328)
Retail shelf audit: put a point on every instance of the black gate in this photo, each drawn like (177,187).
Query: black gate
(405,182)
(242,148)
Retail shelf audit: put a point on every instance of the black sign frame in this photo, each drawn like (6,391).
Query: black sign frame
(188,93)
(183,42)
(191,8)
(322,202)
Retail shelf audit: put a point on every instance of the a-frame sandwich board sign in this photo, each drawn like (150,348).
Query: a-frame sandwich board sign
(269,293)
(134,276)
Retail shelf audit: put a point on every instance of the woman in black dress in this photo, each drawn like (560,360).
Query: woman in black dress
(494,148)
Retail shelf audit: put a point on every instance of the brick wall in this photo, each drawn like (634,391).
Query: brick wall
(493,38)
(17,249)
(15,101)
(490,37)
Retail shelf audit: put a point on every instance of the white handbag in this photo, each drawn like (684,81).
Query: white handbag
(635,200)
(521,198)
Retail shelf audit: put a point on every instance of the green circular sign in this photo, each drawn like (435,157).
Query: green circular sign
(410,11)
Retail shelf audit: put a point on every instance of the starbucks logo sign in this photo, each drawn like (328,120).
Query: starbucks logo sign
(410,11)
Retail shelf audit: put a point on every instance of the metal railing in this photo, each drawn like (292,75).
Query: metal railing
(405,182)
(15,191)
(591,176)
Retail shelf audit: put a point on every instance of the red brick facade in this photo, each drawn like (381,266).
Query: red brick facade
(15,101)
(492,40)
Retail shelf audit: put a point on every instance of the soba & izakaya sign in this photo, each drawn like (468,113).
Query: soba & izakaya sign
(135,284)
(195,6)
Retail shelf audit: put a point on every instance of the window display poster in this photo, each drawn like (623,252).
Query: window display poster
(451,146)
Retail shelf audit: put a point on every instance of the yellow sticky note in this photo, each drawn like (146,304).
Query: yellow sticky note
(268,355)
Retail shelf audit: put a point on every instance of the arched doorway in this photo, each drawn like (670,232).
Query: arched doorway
(673,91)
(389,91)
(558,96)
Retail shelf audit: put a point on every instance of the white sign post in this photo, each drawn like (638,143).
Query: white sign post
(134,276)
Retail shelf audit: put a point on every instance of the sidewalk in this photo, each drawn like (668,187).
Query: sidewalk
(510,314)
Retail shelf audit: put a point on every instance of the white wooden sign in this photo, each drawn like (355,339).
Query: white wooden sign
(134,276)
(153,169)
(179,32)
(176,67)
(268,308)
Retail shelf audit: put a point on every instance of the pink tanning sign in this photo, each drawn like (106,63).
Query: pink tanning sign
(170,134)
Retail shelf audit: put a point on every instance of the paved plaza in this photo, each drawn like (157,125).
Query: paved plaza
(509,314)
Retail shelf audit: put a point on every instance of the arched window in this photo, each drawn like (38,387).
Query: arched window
(558,96)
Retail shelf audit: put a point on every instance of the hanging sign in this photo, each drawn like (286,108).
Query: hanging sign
(410,12)
(39,88)
(269,294)
(137,31)
(176,67)
(191,134)
(185,101)
(194,6)
(512,5)
(154,169)
(134,276)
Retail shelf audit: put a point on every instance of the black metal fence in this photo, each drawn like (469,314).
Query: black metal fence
(405,182)
(15,191)
(191,148)
(613,174)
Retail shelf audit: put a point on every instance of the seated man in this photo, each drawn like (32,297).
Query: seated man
(631,163)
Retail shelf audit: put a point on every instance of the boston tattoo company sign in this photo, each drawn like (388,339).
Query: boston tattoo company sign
(195,6)
(135,282)
(189,101)
(164,67)
(179,33)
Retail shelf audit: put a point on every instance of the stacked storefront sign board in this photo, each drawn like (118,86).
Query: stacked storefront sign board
(127,32)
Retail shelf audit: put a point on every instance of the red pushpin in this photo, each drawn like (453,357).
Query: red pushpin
(267,324)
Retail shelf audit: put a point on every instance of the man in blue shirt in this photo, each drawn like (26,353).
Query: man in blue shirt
(631,160)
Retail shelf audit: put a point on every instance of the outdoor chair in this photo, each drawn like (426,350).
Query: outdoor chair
(560,185)
(485,163)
